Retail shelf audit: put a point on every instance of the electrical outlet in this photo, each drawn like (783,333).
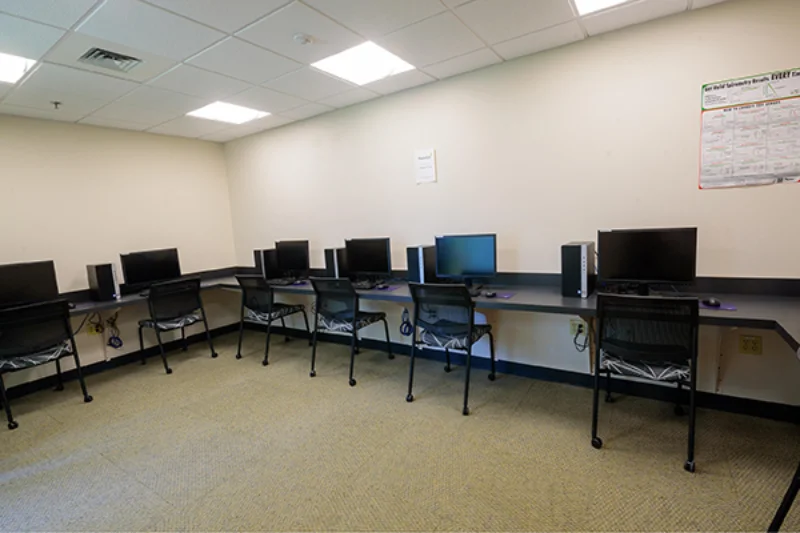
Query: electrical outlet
(577,326)
(91,329)
(750,344)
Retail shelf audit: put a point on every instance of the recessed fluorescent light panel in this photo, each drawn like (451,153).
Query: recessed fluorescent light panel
(363,64)
(222,112)
(12,68)
(590,6)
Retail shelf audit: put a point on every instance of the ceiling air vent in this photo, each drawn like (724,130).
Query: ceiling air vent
(98,57)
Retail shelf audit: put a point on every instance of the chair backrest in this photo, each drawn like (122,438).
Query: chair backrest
(33,328)
(336,297)
(654,329)
(257,294)
(174,299)
(437,303)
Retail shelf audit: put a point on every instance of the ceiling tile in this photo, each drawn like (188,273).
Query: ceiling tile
(59,13)
(349,98)
(189,127)
(136,114)
(198,82)
(277,32)
(454,3)
(227,16)
(148,28)
(630,14)
(374,18)
(309,84)
(221,136)
(71,103)
(540,40)
(399,82)
(74,45)
(458,65)
(27,39)
(697,4)
(5,88)
(500,20)
(244,61)
(22,111)
(77,82)
(432,41)
(266,100)
(107,123)
(163,100)
(243,130)
(307,111)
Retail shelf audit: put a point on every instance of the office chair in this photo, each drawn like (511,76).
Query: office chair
(786,503)
(32,335)
(337,310)
(445,316)
(647,338)
(259,307)
(174,305)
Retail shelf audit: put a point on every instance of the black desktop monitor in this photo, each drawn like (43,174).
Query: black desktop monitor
(369,257)
(466,257)
(25,283)
(143,268)
(648,256)
(293,257)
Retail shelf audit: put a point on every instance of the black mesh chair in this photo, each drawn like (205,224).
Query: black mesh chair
(33,335)
(647,338)
(786,503)
(174,305)
(445,318)
(337,310)
(259,307)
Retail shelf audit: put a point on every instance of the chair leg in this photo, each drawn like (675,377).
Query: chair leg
(308,329)
(358,348)
(493,375)
(609,398)
(786,503)
(689,466)
(161,349)
(596,441)
(388,340)
(60,381)
(286,337)
(314,347)
(208,333)
(185,346)
(353,342)
(11,423)
(265,362)
(447,367)
(86,397)
(241,336)
(141,346)
(465,411)
(410,396)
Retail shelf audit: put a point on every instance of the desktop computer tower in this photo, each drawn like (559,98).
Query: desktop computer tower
(577,269)
(103,284)
(421,261)
(336,263)
(267,263)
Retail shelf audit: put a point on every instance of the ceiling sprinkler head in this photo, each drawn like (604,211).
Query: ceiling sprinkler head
(302,38)
(56,104)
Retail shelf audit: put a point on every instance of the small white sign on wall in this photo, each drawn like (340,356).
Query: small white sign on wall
(425,164)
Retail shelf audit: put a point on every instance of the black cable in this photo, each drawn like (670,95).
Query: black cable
(114,339)
(406,327)
(581,347)
(85,318)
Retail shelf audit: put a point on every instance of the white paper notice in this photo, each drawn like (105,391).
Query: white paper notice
(425,162)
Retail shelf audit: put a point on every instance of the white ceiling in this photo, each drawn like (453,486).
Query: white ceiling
(195,52)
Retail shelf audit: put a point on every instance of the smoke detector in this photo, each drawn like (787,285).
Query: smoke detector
(302,38)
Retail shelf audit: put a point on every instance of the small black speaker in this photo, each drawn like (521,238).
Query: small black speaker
(421,261)
(103,284)
(336,263)
(267,263)
(577,269)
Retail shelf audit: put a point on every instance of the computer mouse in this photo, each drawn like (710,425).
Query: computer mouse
(711,302)
(490,294)
(381,287)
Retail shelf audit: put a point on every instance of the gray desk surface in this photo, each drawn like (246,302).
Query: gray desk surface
(761,312)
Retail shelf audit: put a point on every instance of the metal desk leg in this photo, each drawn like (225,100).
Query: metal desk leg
(590,324)
(786,504)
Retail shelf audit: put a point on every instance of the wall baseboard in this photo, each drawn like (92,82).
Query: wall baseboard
(718,402)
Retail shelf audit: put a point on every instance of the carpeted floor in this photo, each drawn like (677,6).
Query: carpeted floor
(223,444)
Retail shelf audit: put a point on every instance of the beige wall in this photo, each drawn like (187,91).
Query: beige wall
(544,150)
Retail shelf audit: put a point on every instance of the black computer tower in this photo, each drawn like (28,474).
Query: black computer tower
(267,263)
(421,261)
(336,263)
(103,284)
(577,269)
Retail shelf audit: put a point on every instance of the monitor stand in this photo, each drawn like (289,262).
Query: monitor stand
(474,290)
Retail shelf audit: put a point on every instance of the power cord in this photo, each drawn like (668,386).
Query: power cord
(406,327)
(114,339)
(581,347)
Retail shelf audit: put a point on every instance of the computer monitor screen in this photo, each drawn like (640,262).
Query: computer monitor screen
(369,256)
(466,256)
(293,256)
(144,268)
(648,255)
(25,283)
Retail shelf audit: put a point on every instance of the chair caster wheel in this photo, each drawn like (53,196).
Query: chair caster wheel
(310,344)
(410,398)
(597,443)
(352,383)
(492,377)
(59,388)
(391,356)
(448,369)
(13,425)
(87,399)
(169,371)
(144,362)
(238,356)
(264,362)
(689,466)
(313,373)
(287,339)
(357,351)
(465,412)
(679,410)
(185,348)
(214,355)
